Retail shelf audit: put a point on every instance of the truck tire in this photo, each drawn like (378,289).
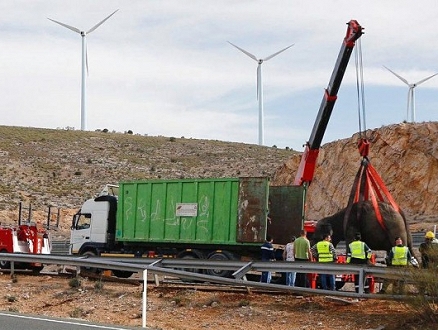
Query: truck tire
(220,256)
(122,273)
(37,269)
(4,264)
(193,254)
(92,270)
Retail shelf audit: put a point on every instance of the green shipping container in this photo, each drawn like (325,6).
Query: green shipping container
(201,211)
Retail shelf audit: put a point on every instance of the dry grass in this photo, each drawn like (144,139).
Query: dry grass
(64,167)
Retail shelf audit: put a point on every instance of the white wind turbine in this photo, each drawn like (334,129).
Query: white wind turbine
(84,62)
(259,85)
(411,94)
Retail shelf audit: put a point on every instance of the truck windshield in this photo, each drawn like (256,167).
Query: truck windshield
(83,221)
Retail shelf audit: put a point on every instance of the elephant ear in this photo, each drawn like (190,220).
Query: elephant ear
(323,227)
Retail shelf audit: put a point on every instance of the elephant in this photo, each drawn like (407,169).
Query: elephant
(363,219)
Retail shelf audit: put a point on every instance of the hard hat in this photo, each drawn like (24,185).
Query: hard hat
(429,234)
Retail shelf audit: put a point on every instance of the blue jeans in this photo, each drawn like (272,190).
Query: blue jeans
(290,278)
(266,277)
(327,281)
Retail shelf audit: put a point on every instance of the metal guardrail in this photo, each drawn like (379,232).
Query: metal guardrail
(175,267)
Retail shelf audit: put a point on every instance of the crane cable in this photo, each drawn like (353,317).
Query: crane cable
(360,89)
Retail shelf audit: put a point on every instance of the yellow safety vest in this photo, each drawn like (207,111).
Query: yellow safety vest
(399,256)
(357,250)
(324,254)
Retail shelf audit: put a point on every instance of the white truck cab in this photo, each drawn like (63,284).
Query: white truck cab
(89,225)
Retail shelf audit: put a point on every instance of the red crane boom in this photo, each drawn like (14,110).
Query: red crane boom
(306,169)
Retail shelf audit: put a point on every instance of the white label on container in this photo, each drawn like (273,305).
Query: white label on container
(186,209)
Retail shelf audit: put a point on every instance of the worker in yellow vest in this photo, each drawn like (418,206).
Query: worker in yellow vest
(325,252)
(358,253)
(399,256)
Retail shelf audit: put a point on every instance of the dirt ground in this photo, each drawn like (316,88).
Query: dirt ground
(171,308)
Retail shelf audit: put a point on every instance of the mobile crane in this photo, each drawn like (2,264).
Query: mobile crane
(306,168)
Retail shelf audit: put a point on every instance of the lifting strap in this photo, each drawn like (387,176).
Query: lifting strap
(368,185)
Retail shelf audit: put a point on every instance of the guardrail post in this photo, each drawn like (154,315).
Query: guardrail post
(12,269)
(361,280)
(145,285)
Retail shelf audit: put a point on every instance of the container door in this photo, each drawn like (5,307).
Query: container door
(253,210)
(286,206)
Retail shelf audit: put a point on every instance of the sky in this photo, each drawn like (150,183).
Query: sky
(165,68)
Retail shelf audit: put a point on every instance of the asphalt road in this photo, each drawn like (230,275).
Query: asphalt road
(13,321)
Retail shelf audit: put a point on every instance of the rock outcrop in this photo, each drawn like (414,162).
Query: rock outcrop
(405,155)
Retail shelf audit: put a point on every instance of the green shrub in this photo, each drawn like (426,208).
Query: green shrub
(77,312)
(75,282)
(422,296)
(98,286)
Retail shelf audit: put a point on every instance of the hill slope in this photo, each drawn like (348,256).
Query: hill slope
(63,167)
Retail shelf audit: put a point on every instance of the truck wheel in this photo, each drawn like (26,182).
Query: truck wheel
(37,269)
(192,270)
(220,256)
(92,270)
(194,254)
(122,273)
(4,264)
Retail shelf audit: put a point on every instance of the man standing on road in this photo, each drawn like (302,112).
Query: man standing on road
(288,255)
(358,253)
(429,251)
(302,253)
(325,252)
(267,255)
(399,256)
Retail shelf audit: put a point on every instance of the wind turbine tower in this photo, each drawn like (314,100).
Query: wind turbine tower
(411,93)
(84,63)
(260,85)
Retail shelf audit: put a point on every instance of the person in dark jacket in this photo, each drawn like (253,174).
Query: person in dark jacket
(429,251)
(268,254)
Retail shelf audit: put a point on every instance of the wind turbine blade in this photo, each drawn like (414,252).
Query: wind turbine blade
(395,74)
(65,25)
(281,51)
(244,51)
(425,79)
(101,22)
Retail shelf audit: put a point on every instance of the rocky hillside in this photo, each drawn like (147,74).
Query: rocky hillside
(405,155)
(64,167)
